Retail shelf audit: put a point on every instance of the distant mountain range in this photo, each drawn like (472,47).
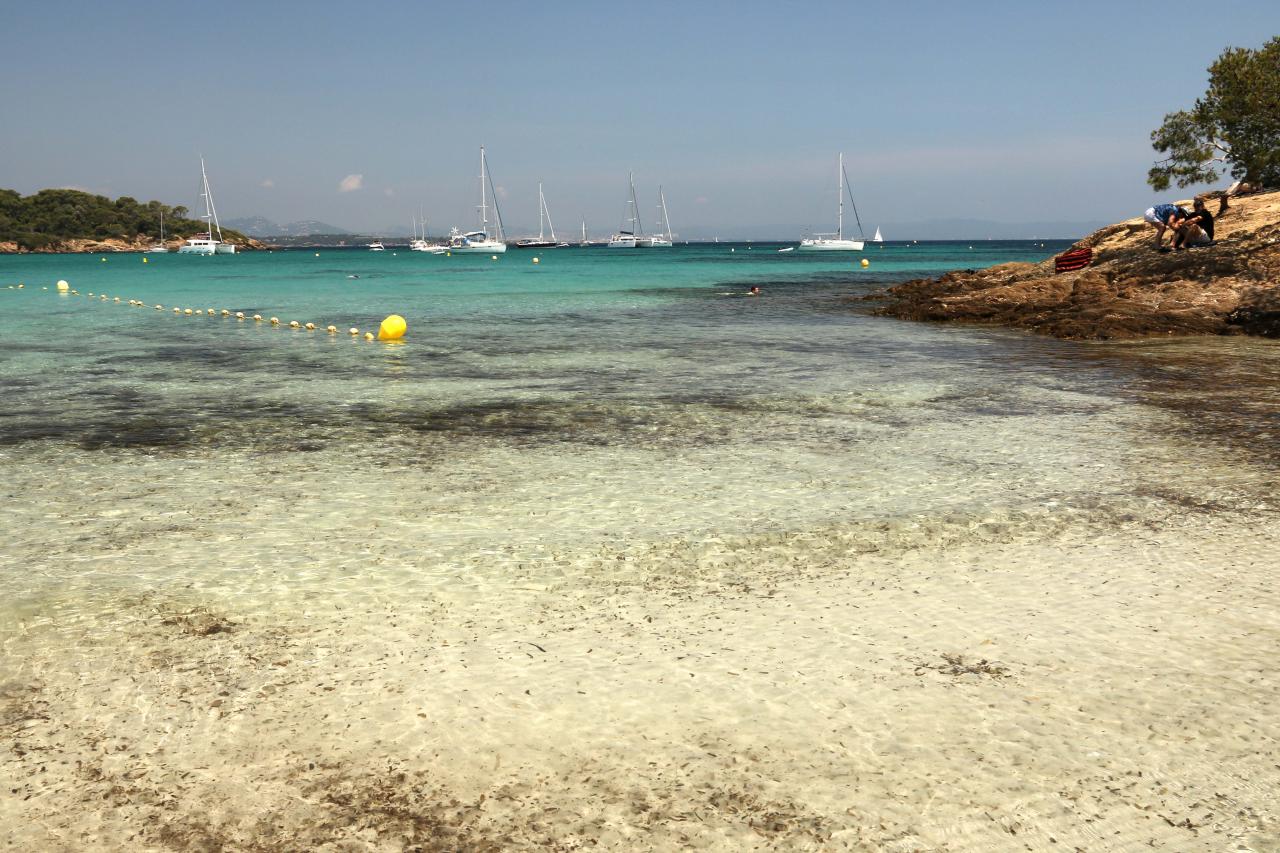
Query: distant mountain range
(260,226)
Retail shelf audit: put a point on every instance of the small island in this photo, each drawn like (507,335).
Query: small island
(65,220)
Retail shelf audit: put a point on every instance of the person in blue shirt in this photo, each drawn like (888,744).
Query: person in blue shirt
(1164,216)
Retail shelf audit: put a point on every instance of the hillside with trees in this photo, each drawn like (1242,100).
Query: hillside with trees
(50,220)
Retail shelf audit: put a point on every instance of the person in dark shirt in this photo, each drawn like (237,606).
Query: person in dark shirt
(1196,229)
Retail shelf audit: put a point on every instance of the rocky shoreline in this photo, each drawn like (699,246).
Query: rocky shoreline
(1129,291)
(141,243)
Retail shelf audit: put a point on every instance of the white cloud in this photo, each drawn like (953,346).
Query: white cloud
(268,183)
(351,183)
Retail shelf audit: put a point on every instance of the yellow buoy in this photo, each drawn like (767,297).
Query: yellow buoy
(493,257)
(293,324)
(90,293)
(257,318)
(144,260)
(368,336)
(211,312)
(226,313)
(866,263)
(333,330)
(392,328)
(117,299)
(448,254)
(159,307)
(63,287)
(239,315)
(536,261)
(104,260)
(275,321)
(188,311)
(353,330)
(177,310)
(311,327)
(317,254)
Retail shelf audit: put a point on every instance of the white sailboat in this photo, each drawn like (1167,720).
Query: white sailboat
(205,244)
(628,238)
(160,248)
(661,240)
(836,242)
(481,240)
(544,214)
(877,238)
(585,241)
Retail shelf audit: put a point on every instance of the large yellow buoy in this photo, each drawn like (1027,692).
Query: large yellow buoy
(63,287)
(392,328)
(866,263)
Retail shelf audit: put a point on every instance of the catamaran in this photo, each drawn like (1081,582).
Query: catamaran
(663,239)
(836,242)
(160,248)
(205,244)
(542,242)
(481,240)
(628,238)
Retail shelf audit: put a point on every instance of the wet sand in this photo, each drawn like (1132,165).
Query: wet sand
(1088,685)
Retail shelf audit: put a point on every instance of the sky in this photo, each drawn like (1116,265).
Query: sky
(359,115)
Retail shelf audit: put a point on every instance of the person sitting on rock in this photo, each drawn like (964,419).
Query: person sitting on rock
(1196,229)
(1164,216)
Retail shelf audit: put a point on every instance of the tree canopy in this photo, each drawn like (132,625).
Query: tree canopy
(1234,128)
(51,216)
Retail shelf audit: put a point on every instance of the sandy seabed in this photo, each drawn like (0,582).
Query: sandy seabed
(1087,685)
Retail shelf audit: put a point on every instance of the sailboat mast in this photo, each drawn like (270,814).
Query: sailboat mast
(484,212)
(840,195)
(666,222)
(542,205)
(635,208)
(210,209)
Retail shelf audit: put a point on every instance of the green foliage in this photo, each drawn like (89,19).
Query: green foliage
(51,216)
(1234,128)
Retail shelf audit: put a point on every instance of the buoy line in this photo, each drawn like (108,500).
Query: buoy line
(393,328)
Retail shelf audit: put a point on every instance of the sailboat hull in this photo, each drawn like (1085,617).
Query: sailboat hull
(493,248)
(653,243)
(538,244)
(830,245)
(224,249)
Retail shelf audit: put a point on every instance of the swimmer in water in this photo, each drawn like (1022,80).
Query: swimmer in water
(754,291)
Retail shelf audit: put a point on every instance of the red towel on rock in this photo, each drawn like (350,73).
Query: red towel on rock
(1076,259)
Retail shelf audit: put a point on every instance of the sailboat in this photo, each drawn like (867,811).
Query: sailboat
(160,248)
(542,242)
(481,240)
(628,238)
(661,240)
(585,241)
(205,244)
(836,242)
(877,238)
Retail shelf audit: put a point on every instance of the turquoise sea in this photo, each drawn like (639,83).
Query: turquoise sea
(607,553)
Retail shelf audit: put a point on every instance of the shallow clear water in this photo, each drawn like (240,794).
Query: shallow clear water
(535,415)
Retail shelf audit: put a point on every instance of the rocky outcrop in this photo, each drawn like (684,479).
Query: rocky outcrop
(138,244)
(1129,291)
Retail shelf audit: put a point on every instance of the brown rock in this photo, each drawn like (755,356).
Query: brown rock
(1130,291)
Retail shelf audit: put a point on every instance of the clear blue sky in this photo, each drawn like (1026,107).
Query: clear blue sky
(1008,111)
